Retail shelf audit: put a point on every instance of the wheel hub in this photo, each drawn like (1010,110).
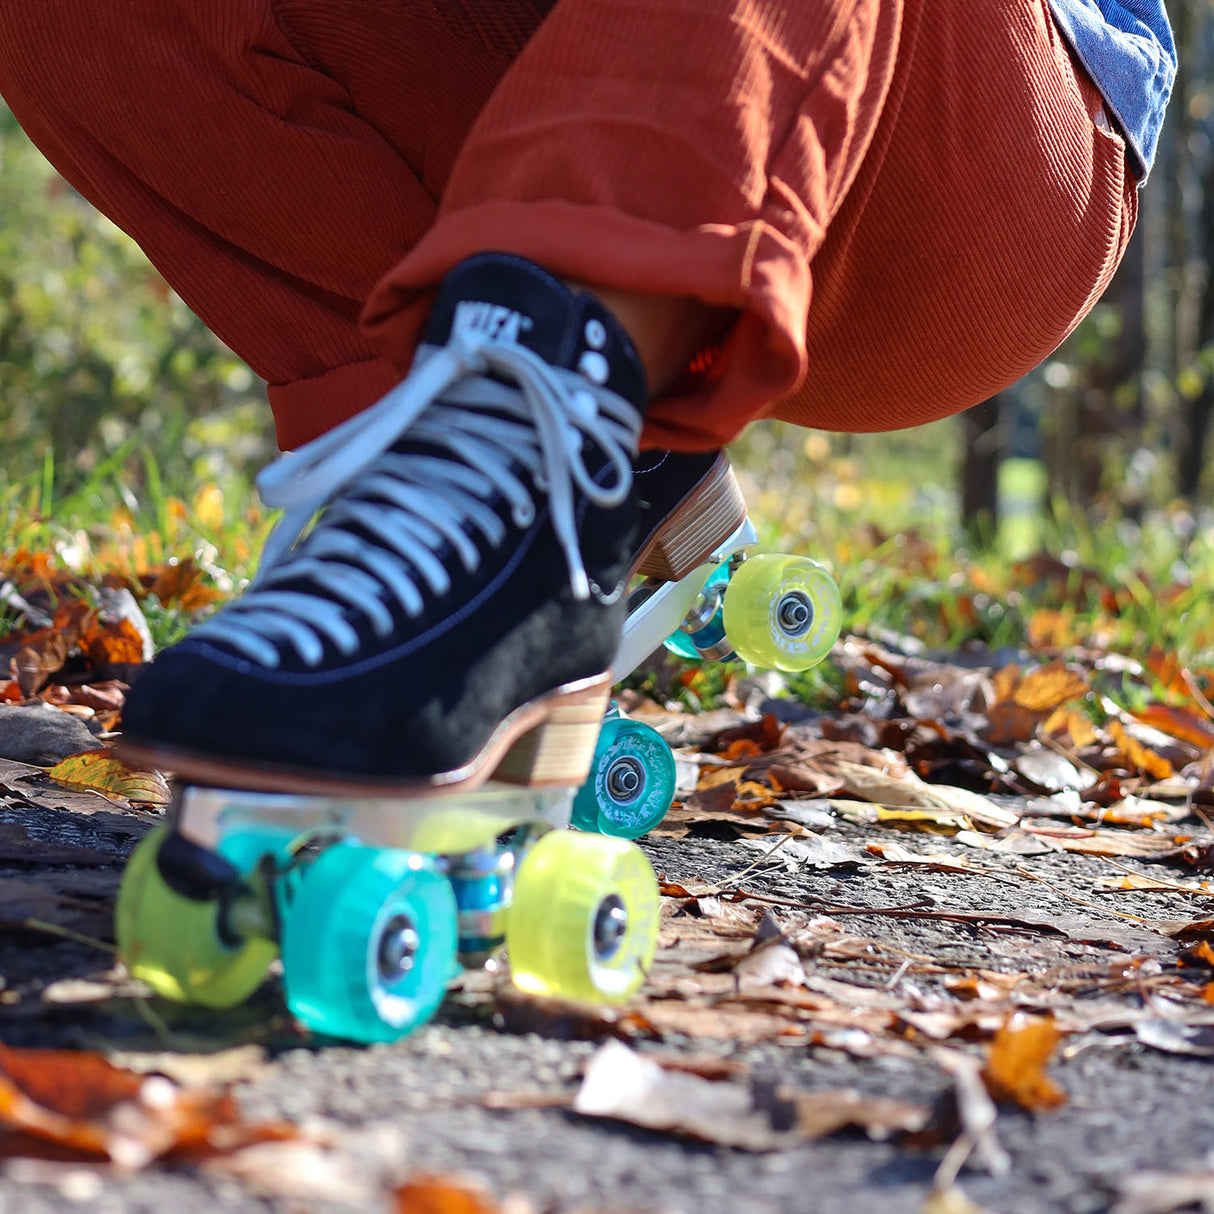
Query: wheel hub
(626,778)
(398,945)
(795,613)
(610,925)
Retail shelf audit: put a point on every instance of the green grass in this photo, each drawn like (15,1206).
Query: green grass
(1053,578)
(877,510)
(107,525)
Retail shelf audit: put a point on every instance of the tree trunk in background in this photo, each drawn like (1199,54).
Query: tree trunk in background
(1098,421)
(1197,411)
(984,442)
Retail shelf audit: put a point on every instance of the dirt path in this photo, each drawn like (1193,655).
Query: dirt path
(902,969)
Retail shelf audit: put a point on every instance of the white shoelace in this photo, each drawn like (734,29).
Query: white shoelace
(413,504)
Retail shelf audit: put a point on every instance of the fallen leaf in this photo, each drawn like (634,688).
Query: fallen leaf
(1015,1063)
(949,1200)
(1049,687)
(1164,1192)
(1173,1038)
(112,643)
(1139,757)
(79,1104)
(349,1166)
(441,1195)
(1178,723)
(624,1085)
(103,771)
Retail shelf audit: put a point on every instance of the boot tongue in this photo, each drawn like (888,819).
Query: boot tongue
(506,299)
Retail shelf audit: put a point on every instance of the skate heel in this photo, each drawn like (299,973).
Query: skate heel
(710,514)
(560,748)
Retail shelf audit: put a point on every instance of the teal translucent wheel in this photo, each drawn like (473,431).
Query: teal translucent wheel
(368,943)
(584,920)
(708,637)
(181,946)
(782,612)
(631,781)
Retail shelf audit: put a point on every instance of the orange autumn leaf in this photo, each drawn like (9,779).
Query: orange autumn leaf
(710,777)
(24,566)
(1049,687)
(107,644)
(199,596)
(102,771)
(172,579)
(1200,952)
(181,582)
(1052,629)
(765,734)
(741,748)
(1015,1063)
(1004,682)
(1074,726)
(1166,667)
(753,795)
(76,1103)
(1140,757)
(436,1195)
(1177,723)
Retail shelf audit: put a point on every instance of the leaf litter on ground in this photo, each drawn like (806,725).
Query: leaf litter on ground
(1020,762)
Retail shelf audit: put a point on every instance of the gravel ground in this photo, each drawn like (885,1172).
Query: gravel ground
(1131,1107)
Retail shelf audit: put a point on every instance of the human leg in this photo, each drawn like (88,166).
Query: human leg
(621,229)
(272,158)
(894,253)
(522,611)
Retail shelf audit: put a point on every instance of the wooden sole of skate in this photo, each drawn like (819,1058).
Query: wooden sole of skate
(714,509)
(548,741)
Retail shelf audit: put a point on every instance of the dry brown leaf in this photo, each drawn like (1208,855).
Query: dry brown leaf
(1008,724)
(1139,757)
(1178,723)
(1165,1192)
(622,1084)
(1049,687)
(1052,629)
(1071,726)
(108,644)
(446,1195)
(1102,842)
(32,665)
(1015,1063)
(103,771)
(76,1104)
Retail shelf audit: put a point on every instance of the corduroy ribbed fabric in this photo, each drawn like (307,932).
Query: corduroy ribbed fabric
(906,200)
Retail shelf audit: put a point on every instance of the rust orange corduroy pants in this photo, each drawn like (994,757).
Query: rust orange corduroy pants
(906,200)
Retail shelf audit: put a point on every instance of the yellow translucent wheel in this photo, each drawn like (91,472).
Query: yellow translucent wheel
(782,612)
(584,920)
(177,945)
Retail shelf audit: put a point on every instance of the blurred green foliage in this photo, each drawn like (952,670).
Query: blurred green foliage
(98,357)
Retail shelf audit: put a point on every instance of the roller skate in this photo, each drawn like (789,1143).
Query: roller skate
(699,590)
(377,748)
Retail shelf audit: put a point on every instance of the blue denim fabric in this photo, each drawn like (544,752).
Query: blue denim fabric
(1127,48)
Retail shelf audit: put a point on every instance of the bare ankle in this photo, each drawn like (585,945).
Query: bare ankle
(667,330)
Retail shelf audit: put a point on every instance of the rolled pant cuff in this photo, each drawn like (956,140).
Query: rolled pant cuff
(750,266)
(306,408)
